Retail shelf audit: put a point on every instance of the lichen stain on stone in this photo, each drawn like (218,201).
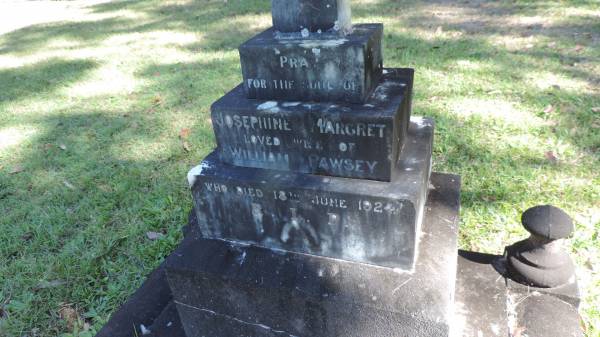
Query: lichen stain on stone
(270,106)
(310,44)
(196,171)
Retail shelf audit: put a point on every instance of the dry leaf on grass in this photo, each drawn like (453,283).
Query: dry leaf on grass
(154,235)
(17,169)
(68,184)
(157,100)
(184,133)
(50,284)
(67,313)
(548,109)
(186,146)
(63,147)
(578,48)
(27,236)
(551,157)
(596,109)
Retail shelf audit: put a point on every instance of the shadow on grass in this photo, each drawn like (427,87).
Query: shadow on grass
(42,77)
(79,215)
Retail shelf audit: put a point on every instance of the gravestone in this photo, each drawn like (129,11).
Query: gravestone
(318,215)
(311,207)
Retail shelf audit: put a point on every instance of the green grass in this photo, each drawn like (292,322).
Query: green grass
(91,110)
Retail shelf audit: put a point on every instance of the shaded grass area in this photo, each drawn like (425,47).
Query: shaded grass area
(91,112)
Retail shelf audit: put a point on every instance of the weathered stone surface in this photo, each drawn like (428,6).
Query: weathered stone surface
(480,302)
(547,221)
(541,260)
(317,138)
(568,293)
(226,289)
(318,68)
(359,220)
(167,324)
(312,15)
(542,315)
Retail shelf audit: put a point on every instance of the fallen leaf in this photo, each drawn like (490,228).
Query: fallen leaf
(157,100)
(68,184)
(27,236)
(154,235)
(67,313)
(596,109)
(17,169)
(548,109)
(184,133)
(551,157)
(489,198)
(104,188)
(578,48)
(50,284)
(63,147)
(186,146)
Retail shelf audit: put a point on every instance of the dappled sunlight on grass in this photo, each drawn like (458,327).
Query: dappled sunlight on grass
(14,136)
(94,101)
(493,108)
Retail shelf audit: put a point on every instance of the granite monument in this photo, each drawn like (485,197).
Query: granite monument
(318,214)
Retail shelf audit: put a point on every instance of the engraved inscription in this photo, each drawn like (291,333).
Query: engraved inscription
(256,155)
(292,62)
(244,122)
(341,164)
(328,126)
(313,85)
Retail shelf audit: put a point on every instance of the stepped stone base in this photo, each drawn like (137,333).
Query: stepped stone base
(227,289)
(481,307)
(357,220)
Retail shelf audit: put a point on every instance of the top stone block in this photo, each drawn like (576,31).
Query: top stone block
(314,15)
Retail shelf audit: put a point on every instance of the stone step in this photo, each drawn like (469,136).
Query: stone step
(304,137)
(167,324)
(318,67)
(353,219)
(226,289)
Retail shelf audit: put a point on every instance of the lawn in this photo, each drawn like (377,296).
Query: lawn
(104,106)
